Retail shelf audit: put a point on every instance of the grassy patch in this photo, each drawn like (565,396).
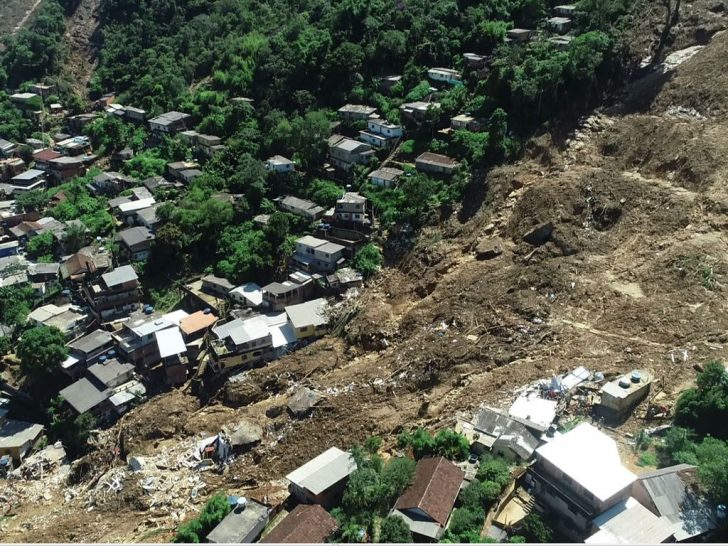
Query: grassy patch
(571,424)
(698,268)
(647,458)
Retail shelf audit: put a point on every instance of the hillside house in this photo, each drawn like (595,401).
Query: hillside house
(241,342)
(43,158)
(352,208)
(169,123)
(177,170)
(280,164)
(385,177)
(137,341)
(74,146)
(492,430)
(429,162)
(17,438)
(135,114)
(242,525)
(87,263)
(43,90)
(42,272)
(345,152)
(579,475)
(148,217)
(173,354)
(70,319)
(388,82)
(673,493)
(475,61)
(561,42)
(217,286)
(196,324)
(468,122)
(519,35)
(76,124)
(135,243)
(565,10)
(277,295)
(380,133)
(560,25)
(418,110)
(305,524)
(110,183)
(7,148)
(63,169)
(445,75)
(322,479)
(315,255)
(309,319)
(86,351)
(300,207)
(111,373)
(355,112)
(9,248)
(26,101)
(426,504)
(115,294)
(32,179)
(248,294)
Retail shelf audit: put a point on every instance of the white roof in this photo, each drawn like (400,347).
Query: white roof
(120,275)
(282,335)
(170,342)
(47,312)
(250,291)
(590,458)
(630,523)
(143,328)
(176,316)
(534,409)
(306,314)
(137,205)
(250,329)
(320,473)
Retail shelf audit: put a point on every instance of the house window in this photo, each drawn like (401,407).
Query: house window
(303,329)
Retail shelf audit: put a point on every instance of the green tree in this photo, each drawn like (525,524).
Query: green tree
(396,476)
(325,192)
(451,445)
(41,245)
(705,407)
(494,469)
(394,530)
(72,429)
(34,200)
(41,351)
(368,260)
(535,529)
(5,345)
(75,238)
(195,530)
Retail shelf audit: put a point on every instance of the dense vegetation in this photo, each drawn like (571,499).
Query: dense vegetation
(701,438)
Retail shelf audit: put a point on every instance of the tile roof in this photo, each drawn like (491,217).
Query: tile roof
(306,523)
(435,487)
(196,322)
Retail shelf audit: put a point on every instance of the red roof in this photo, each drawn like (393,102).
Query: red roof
(307,523)
(434,489)
(46,155)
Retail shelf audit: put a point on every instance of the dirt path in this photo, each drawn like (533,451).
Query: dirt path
(26,16)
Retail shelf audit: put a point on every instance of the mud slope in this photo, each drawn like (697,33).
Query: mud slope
(632,273)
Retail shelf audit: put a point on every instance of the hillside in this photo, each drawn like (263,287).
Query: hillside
(632,273)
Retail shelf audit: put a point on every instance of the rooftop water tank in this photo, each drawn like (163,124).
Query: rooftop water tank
(624,383)
(207,311)
(636,377)
(102,359)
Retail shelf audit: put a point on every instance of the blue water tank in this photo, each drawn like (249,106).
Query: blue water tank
(102,359)
(111,353)
(636,377)
(207,311)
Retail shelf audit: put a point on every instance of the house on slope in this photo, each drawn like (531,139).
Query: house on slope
(426,504)
(322,479)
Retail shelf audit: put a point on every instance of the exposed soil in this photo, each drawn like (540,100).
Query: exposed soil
(82,39)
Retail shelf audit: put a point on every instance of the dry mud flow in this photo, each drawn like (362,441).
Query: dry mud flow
(626,268)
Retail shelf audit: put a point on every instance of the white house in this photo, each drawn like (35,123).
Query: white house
(280,164)
(446,75)
(386,177)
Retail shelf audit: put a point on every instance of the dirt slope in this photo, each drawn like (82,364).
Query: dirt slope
(633,274)
(82,38)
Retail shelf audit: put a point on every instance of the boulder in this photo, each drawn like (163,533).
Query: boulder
(539,235)
(303,401)
(487,249)
(246,434)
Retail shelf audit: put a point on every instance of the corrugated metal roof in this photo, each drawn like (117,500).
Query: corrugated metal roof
(320,473)
(630,523)
(170,342)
